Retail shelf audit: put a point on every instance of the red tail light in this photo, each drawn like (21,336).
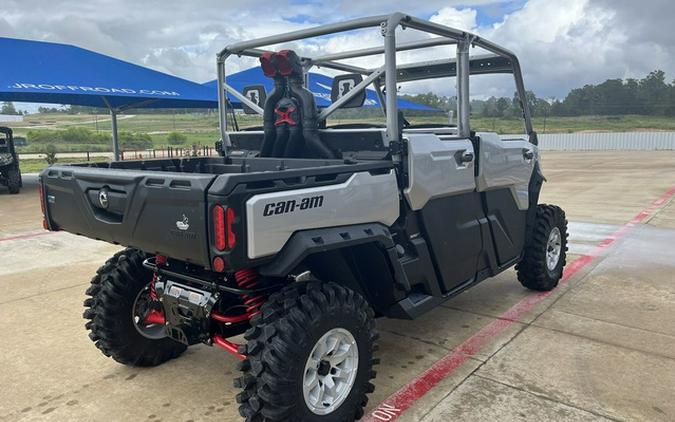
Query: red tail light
(223,219)
(218,264)
(219,227)
(231,240)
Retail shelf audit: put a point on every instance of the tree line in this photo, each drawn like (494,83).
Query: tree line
(651,95)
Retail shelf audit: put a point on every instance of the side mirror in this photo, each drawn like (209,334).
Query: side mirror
(257,95)
(342,84)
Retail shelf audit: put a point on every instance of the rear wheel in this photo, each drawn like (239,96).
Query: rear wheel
(120,311)
(309,356)
(13,180)
(545,252)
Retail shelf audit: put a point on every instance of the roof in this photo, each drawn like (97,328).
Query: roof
(45,72)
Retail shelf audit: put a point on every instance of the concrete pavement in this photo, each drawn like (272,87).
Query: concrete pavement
(601,347)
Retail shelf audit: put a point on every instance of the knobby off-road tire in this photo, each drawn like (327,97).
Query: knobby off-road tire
(291,326)
(109,311)
(13,181)
(545,252)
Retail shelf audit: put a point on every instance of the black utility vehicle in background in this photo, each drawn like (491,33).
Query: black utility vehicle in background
(10,175)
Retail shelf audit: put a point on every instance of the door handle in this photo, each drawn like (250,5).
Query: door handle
(466,157)
(528,154)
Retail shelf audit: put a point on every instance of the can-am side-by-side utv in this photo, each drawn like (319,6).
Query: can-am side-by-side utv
(10,174)
(301,233)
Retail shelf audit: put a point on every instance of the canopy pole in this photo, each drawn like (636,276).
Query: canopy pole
(113,121)
(115,139)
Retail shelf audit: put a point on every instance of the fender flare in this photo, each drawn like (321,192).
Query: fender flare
(308,242)
(534,188)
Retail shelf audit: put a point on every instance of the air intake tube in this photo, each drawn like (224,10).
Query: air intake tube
(279,90)
(310,131)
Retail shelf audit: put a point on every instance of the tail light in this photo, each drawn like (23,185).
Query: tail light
(223,219)
(219,227)
(229,221)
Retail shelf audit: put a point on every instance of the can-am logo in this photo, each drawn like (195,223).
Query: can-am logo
(283,207)
(183,224)
(103,198)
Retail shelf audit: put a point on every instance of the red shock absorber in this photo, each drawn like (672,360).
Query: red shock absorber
(248,279)
(159,260)
(155,316)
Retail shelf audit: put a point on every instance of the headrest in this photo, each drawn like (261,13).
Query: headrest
(282,63)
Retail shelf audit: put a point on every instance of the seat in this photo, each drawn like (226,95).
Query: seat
(290,116)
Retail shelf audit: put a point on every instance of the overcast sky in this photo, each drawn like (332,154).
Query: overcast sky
(562,44)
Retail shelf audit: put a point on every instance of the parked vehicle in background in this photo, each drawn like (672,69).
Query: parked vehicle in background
(10,174)
(301,233)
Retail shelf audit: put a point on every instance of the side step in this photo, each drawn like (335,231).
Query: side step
(414,305)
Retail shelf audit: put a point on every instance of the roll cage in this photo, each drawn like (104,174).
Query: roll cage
(501,60)
(6,141)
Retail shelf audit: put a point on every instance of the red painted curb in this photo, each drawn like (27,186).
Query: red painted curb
(406,396)
(25,236)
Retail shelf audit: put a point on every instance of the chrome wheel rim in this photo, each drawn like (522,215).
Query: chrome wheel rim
(553,248)
(330,371)
(138,312)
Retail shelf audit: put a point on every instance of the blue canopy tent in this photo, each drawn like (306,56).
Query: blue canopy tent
(319,84)
(43,72)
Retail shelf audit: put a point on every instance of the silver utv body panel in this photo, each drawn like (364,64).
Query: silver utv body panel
(437,168)
(364,198)
(504,163)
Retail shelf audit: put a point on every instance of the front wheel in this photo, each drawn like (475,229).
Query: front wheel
(309,356)
(545,251)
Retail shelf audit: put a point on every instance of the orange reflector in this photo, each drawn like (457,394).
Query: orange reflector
(41,192)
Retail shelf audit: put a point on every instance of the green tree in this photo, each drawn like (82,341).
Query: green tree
(502,107)
(50,154)
(43,136)
(8,108)
(653,93)
(175,138)
(130,140)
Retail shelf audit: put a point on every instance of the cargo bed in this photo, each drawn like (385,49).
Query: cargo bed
(162,206)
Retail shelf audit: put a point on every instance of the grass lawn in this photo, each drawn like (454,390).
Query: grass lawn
(202,128)
(35,165)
